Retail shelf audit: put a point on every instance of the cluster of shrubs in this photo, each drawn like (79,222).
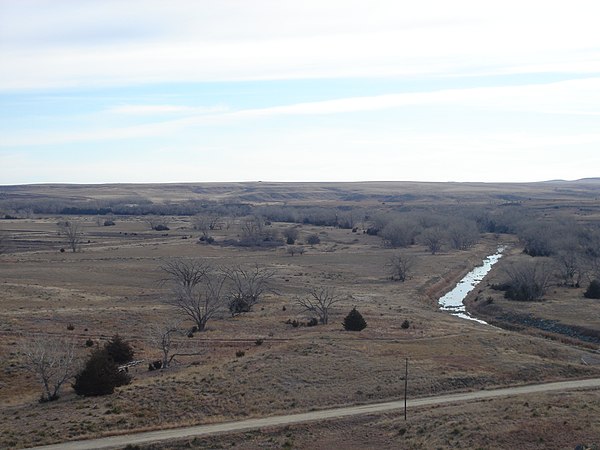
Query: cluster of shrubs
(155,365)
(101,373)
(310,323)
(534,292)
(354,321)
(341,217)
(514,292)
(240,304)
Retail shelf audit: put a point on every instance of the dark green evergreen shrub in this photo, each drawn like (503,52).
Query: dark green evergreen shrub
(119,350)
(593,290)
(405,324)
(100,375)
(354,321)
(313,239)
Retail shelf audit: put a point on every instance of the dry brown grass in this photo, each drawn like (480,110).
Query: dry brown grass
(556,421)
(112,287)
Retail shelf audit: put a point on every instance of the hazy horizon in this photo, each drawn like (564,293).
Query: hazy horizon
(192,92)
(302,182)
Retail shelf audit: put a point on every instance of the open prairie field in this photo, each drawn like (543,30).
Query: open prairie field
(268,361)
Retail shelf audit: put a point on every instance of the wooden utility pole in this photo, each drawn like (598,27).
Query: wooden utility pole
(405,387)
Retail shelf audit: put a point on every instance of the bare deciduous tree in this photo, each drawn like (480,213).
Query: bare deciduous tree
(185,272)
(433,239)
(593,267)
(590,256)
(161,337)
(539,238)
(228,221)
(293,249)
(256,232)
(247,286)
(399,233)
(399,266)
(463,234)
(345,219)
(252,228)
(156,223)
(528,280)
(72,232)
(151,221)
(319,301)
(206,223)
(197,289)
(52,361)
(291,234)
(570,266)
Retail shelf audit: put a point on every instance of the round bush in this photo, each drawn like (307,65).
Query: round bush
(100,375)
(313,239)
(354,321)
(593,290)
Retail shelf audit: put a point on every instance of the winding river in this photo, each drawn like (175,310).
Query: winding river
(453,300)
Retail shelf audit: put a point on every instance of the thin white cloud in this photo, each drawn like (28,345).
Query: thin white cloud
(331,154)
(163,109)
(573,97)
(51,45)
(581,97)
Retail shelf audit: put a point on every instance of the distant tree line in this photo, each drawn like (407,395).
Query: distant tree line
(134,206)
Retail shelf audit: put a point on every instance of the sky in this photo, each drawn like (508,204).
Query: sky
(105,91)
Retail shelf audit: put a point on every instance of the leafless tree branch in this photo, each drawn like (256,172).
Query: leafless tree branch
(52,361)
(319,301)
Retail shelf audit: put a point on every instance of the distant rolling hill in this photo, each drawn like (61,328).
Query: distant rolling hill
(296,193)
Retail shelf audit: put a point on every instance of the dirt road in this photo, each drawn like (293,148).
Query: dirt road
(228,427)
